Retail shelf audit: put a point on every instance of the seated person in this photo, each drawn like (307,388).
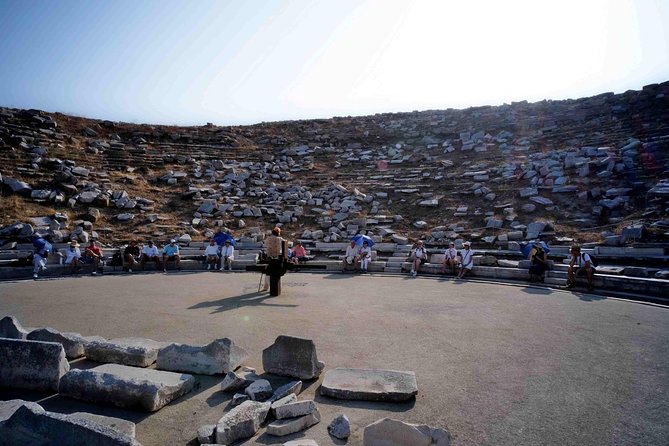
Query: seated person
(351,256)
(131,255)
(466,260)
(539,263)
(93,254)
(581,264)
(40,254)
(227,256)
(211,253)
(72,256)
(450,259)
(299,254)
(418,257)
(171,254)
(150,253)
(364,256)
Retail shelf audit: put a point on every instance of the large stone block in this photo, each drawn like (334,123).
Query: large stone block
(219,356)
(31,364)
(73,343)
(389,432)
(294,409)
(291,356)
(128,351)
(289,426)
(369,384)
(11,328)
(29,424)
(241,422)
(124,386)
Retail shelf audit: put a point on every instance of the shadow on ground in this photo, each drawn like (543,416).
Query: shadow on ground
(252,299)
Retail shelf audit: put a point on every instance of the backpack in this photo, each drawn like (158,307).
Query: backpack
(117,259)
(593,260)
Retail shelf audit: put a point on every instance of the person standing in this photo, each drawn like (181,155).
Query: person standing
(467,260)
(275,255)
(227,256)
(171,254)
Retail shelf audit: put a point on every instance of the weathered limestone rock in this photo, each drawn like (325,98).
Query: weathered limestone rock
(340,427)
(285,390)
(285,400)
(30,424)
(73,343)
(239,398)
(128,351)
(239,380)
(289,426)
(219,356)
(11,328)
(389,432)
(294,409)
(259,390)
(241,422)
(291,356)
(124,386)
(124,426)
(31,364)
(369,384)
(206,434)
(301,442)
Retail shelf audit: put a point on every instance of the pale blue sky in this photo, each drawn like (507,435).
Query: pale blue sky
(242,62)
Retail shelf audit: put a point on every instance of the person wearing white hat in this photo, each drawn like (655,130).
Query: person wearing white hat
(171,253)
(466,260)
(73,254)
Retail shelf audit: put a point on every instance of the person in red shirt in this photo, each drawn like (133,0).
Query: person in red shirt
(94,253)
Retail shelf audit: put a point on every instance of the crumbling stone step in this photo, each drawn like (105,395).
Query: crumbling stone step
(124,386)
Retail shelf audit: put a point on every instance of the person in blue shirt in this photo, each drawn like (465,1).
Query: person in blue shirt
(40,254)
(171,253)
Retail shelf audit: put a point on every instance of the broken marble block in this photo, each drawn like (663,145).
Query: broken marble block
(73,343)
(301,442)
(206,434)
(259,390)
(241,379)
(291,356)
(124,386)
(11,328)
(127,351)
(294,409)
(288,426)
(285,400)
(31,365)
(241,422)
(369,384)
(239,398)
(340,427)
(389,432)
(23,422)
(292,387)
(219,356)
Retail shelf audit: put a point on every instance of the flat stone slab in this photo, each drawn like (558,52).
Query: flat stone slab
(30,424)
(128,351)
(389,432)
(73,343)
(369,384)
(301,442)
(128,387)
(241,422)
(219,356)
(288,426)
(31,365)
(291,356)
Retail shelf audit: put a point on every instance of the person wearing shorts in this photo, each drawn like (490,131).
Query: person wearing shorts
(171,254)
